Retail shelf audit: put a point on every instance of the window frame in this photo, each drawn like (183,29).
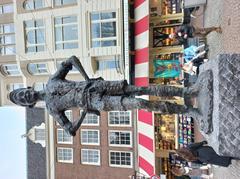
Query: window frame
(85,143)
(63,42)
(38,84)
(120,125)
(6,72)
(5,45)
(64,161)
(12,86)
(42,137)
(106,63)
(69,115)
(38,69)
(100,21)
(121,166)
(34,29)
(64,4)
(120,145)
(64,142)
(90,124)
(4,5)
(89,163)
(28,8)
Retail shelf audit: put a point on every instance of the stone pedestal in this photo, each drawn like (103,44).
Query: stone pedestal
(225,137)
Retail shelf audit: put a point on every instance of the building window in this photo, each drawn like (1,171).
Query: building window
(6,8)
(39,86)
(90,157)
(65,155)
(39,134)
(90,137)
(64,2)
(7,39)
(120,159)
(107,64)
(63,137)
(33,4)
(68,114)
(103,29)
(119,118)
(11,69)
(13,86)
(66,32)
(90,120)
(37,68)
(120,138)
(35,36)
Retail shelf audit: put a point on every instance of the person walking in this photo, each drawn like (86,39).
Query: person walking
(202,153)
(193,52)
(186,31)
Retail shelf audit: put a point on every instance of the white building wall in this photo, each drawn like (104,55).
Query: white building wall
(84,52)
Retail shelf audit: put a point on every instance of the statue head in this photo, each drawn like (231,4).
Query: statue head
(24,96)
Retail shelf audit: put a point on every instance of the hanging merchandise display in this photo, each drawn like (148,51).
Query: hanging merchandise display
(185,131)
(166,68)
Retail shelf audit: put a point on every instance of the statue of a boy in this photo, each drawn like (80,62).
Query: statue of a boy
(95,95)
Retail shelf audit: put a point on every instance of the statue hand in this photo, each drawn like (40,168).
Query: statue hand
(97,79)
(72,132)
(93,111)
(67,65)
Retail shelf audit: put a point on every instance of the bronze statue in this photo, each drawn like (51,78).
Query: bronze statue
(95,95)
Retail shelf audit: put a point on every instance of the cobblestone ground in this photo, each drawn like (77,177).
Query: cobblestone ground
(225,13)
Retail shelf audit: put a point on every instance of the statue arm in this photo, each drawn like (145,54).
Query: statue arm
(62,72)
(62,120)
(77,123)
(69,127)
(67,65)
(74,61)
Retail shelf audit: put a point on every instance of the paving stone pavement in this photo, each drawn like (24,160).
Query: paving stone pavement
(229,108)
(225,13)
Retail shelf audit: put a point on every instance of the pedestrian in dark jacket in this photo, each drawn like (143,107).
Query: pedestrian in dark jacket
(198,152)
(186,31)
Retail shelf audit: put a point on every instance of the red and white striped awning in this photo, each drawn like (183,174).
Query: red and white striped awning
(145,124)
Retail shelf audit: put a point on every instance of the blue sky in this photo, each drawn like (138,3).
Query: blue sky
(12,146)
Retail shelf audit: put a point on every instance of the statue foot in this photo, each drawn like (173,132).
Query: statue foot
(190,91)
(188,101)
(193,112)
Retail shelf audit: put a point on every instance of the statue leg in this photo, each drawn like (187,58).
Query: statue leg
(160,106)
(129,103)
(158,90)
(163,90)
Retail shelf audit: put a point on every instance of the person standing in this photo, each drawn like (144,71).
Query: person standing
(193,52)
(202,153)
(186,31)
